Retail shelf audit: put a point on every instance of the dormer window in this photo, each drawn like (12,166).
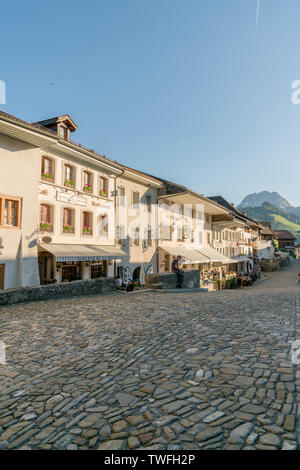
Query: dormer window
(61,125)
(63,132)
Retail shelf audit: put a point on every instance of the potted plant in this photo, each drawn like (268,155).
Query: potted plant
(87,188)
(102,192)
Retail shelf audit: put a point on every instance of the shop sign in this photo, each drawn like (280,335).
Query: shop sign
(71,199)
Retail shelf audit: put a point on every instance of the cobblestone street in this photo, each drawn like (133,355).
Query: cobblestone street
(153,370)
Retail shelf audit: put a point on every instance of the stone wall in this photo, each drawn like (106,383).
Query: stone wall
(57,291)
(269,266)
(169,280)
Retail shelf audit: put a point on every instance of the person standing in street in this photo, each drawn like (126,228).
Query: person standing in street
(177,269)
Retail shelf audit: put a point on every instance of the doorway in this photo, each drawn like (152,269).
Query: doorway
(136,274)
(2,276)
(120,272)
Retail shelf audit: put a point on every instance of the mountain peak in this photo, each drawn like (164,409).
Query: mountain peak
(257,200)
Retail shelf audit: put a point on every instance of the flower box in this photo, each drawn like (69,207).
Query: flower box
(70,184)
(68,228)
(87,188)
(103,193)
(45,227)
(47,176)
(86,230)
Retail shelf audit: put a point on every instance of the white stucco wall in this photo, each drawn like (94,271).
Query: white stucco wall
(59,197)
(19,176)
(138,256)
(265,249)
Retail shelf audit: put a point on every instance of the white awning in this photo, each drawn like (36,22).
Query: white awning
(215,256)
(83,252)
(240,259)
(189,255)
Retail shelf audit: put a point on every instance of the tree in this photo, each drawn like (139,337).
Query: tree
(275,244)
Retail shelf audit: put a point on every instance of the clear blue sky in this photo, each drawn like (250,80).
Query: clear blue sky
(184,89)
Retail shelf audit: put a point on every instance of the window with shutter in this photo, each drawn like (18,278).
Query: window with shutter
(87,182)
(148,203)
(135,236)
(45,218)
(69,174)
(103,225)
(10,216)
(166,232)
(68,222)
(87,223)
(120,234)
(103,186)
(136,200)
(121,197)
(47,169)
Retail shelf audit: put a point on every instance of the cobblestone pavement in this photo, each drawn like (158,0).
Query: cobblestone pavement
(153,370)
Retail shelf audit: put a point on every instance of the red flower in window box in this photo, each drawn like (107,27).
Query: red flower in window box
(86,229)
(68,228)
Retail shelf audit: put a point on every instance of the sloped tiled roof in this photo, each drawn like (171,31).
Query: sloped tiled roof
(267,231)
(284,235)
(37,126)
(236,212)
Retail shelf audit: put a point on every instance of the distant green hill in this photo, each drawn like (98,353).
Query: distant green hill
(279,219)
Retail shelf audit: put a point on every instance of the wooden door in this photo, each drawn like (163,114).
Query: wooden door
(1,276)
